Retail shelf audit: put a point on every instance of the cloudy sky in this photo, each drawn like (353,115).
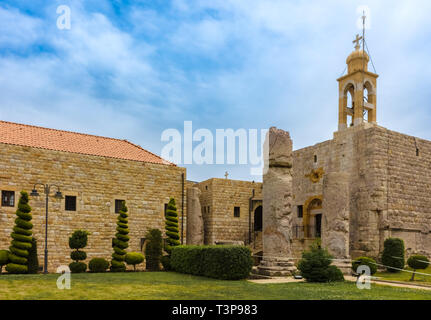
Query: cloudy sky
(131,69)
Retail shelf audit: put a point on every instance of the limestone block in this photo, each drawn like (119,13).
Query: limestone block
(195,221)
(336,205)
(280,148)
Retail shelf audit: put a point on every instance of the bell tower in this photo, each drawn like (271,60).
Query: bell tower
(357,89)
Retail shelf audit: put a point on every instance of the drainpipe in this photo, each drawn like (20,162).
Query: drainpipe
(182,208)
(250,208)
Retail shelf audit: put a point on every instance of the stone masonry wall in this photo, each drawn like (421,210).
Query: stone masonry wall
(97,182)
(221,196)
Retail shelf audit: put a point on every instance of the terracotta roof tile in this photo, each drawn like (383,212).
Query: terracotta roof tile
(59,140)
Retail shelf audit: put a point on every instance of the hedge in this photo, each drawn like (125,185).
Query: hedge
(4,259)
(33,261)
(153,249)
(98,265)
(221,262)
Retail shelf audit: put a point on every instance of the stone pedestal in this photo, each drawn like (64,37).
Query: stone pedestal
(277,206)
(195,221)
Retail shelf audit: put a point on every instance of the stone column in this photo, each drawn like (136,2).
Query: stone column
(195,221)
(277,205)
(336,216)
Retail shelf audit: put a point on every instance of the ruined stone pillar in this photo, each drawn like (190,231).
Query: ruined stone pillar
(195,221)
(336,216)
(277,205)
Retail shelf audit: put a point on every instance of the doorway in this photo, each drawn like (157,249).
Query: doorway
(258,219)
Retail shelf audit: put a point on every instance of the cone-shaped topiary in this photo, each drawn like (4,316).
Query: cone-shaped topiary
(120,242)
(78,240)
(21,235)
(33,261)
(153,249)
(171,227)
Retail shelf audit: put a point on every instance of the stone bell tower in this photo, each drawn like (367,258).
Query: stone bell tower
(357,90)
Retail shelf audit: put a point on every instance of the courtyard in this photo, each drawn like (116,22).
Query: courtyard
(174,286)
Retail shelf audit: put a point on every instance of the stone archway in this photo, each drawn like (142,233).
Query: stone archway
(313,203)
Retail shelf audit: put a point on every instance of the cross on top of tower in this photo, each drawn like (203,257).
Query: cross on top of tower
(358,38)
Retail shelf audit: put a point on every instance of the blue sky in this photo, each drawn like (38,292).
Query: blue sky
(131,69)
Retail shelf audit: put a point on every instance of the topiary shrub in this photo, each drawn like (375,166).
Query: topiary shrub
(393,254)
(98,265)
(4,259)
(371,263)
(134,258)
(153,249)
(166,263)
(315,266)
(171,227)
(417,262)
(33,261)
(120,242)
(216,261)
(78,240)
(21,235)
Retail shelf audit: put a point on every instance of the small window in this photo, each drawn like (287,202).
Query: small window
(8,198)
(70,203)
(315,159)
(417,152)
(166,209)
(300,211)
(208,209)
(118,205)
(236,212)
(206,187)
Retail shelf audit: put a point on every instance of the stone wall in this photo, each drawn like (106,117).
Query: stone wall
(218,199)
(97,182)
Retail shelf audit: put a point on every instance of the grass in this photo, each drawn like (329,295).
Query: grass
(169,285)
(405,276)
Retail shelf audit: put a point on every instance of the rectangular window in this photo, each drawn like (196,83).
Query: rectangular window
(208,209)
(118,205)
(70,203)
(236,212)
(300,211)
(166,209)
(8,198)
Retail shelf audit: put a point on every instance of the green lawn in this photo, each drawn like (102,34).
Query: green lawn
(405,276)
(169,285)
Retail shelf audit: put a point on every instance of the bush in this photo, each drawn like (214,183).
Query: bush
(120,242)
(315,266)
(78,240)
(98,265)
(134,258)
(371,263)
(417,262)
(21,235)
(393,254)
(171,227)
(220,262)
(77,267)
(4,259)
(334,274)
(153,249)
(33,261)
(166,263)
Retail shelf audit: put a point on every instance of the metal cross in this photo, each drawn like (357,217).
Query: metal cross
(226,174)
(358,38)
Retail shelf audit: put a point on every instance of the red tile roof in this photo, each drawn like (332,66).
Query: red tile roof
(59,140)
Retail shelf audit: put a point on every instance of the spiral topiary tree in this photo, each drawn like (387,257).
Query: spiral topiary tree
(120,242)
(171,227)
(78,240)
(22,239)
